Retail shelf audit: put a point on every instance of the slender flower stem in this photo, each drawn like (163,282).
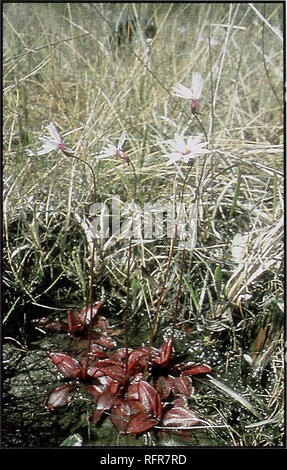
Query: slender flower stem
(90,168)
(90,294)
(204,161)
(89,305)
(126,320)
(199,123)
(178,293)
(162,292)
(117,151)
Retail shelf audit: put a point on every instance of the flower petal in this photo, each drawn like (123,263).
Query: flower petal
(109,151)
(182,91)
(45,150)
(197,85)
(54,133)
(122,140)
(184,148)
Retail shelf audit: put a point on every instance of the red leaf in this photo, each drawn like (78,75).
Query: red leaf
(181,401)
(93,371)
(74,321)
(149,398)
(135,407)
(59,396)
(137,361)
(106,341)
(196,369)
(120,414)
(111,368)
(95,390)
(88,314)
(165,353)
(118,355)
(114,387)
(183,386)
(139,423)
(164,385)
(102,386)
(179,417)
(132,391)
(96,351)
(105,401)
(67,365)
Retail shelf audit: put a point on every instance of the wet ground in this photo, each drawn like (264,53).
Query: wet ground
(29,375)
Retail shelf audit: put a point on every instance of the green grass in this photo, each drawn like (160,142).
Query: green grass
(59,66)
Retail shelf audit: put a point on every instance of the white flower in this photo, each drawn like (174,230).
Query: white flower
(54,142)
(196,85)
(192,93)
(182,91)
(185,148)
(113,151)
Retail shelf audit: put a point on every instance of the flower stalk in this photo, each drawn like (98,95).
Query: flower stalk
(171,252)
(129,266)
(54,142)
(118,152)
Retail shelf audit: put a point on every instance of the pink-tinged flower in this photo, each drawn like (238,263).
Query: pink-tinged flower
(185,148)
(54,142)
(192,93)
(113,151)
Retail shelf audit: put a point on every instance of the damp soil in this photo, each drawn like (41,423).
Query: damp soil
(28,376)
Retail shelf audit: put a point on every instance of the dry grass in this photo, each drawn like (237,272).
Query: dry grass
(59,66)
